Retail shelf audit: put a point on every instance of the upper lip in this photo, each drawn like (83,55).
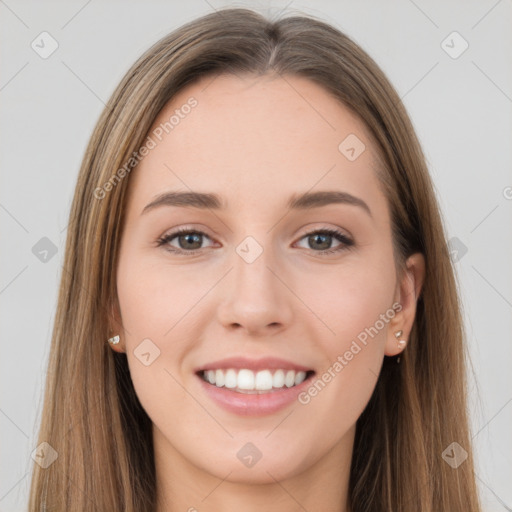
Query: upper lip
(265,363)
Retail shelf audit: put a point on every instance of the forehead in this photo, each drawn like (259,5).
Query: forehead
(253,139)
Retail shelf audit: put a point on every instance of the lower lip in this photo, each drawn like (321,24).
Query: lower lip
(254,404)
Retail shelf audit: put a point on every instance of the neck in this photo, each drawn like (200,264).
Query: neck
(183,486)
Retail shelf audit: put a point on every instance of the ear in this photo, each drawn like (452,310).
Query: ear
(115,326)
(407,292)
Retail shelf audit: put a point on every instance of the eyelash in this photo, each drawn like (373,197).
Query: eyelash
(346,243)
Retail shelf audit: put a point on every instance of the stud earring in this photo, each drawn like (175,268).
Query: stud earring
(401,343)
(114,340)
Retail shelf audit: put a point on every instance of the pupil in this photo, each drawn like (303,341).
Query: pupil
(190,238)
(326,244)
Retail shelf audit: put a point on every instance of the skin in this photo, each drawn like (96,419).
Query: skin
(256,142)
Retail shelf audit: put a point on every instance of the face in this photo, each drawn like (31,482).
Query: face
(285,309)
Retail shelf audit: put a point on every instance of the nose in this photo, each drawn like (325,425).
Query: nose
(255,297)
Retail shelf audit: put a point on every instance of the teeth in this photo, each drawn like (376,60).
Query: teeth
(246,380)
(278,379)
(264,380)
(219,378)
(230,380)
(299,377)
(289,380)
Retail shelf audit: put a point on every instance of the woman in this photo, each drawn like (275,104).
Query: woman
(246,366)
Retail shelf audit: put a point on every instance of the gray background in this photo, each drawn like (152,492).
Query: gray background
(460,107)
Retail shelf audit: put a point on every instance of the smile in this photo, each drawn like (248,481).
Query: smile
(252,382)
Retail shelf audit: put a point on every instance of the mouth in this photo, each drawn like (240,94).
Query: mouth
(253,387)
(251,382)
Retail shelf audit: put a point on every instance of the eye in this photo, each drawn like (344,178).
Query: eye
(322,238)
(190,241)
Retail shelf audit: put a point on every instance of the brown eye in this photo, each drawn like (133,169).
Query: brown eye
(188,241)
(322,240)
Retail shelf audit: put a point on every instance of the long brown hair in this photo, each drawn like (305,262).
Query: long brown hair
(91,415)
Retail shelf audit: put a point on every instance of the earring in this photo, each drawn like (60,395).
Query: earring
(114,340)
(401,343)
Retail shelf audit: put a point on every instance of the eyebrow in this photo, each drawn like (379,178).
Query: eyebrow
(208,201)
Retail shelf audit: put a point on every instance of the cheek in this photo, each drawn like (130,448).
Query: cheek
(154,297)
(356,304)
(161,303)
(156,304)
(350,300)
